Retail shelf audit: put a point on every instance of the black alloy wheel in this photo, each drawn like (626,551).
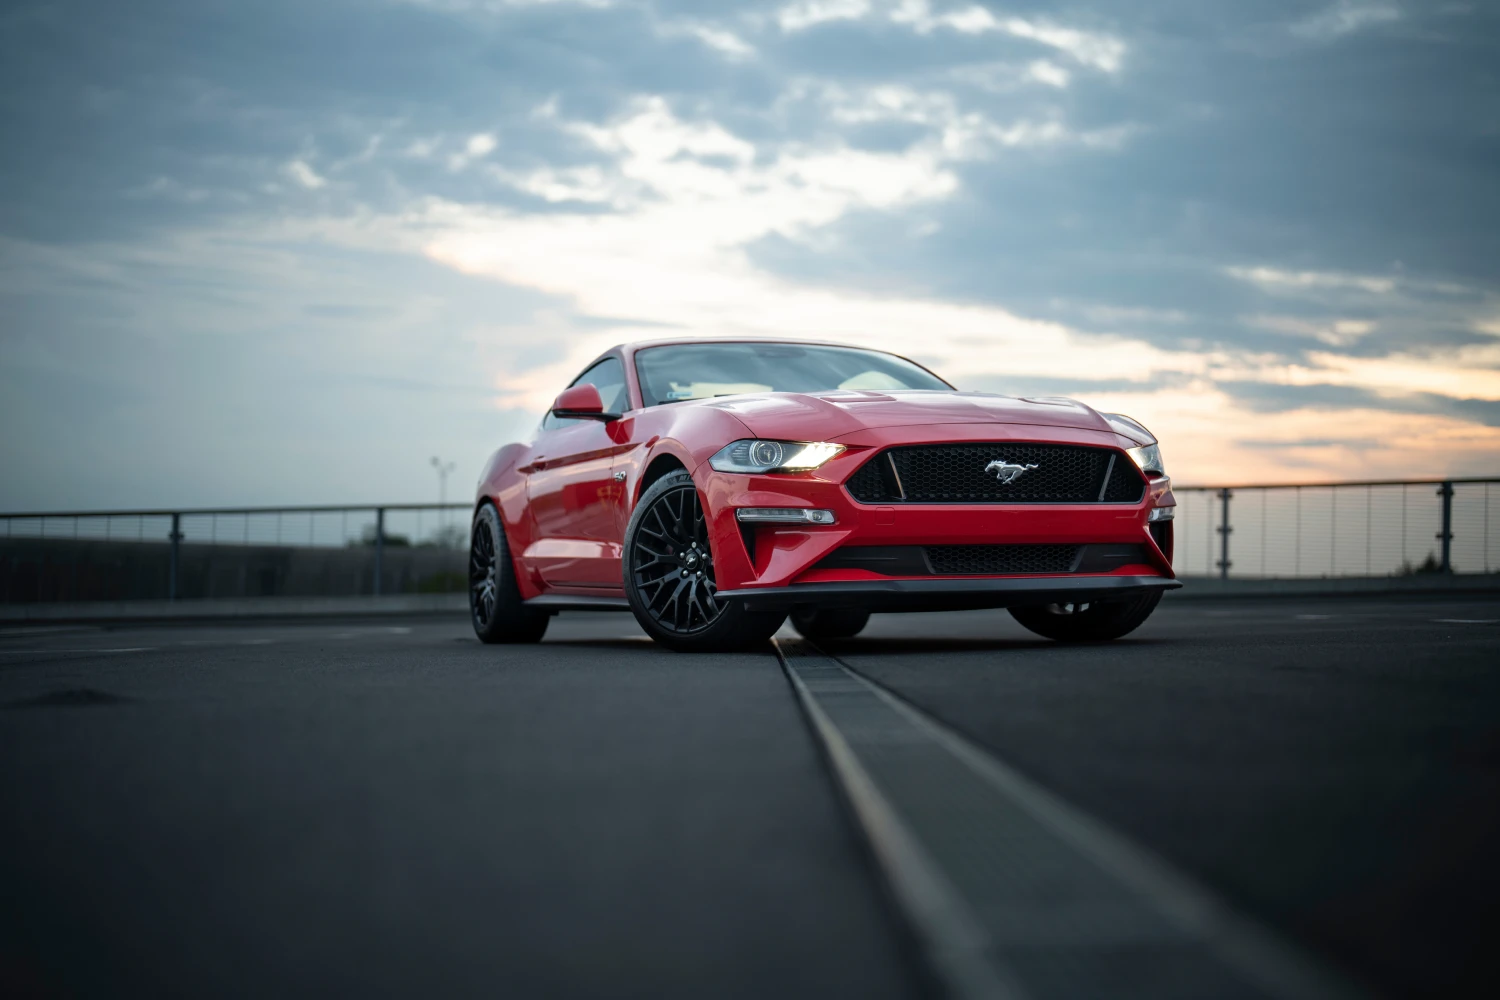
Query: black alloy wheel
(495,606)
(670,579)
(483,584)
(672,566)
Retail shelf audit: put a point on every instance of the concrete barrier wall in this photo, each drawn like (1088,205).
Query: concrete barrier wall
(39,571)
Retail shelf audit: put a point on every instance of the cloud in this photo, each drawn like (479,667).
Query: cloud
(1090,49)
(299,171)
(1270,397)
(1097,51)
(1282,281)
(1049,73)
(960,134)
(1338,332)
(476,147)
(1344,18)
(810,13)
(725,42)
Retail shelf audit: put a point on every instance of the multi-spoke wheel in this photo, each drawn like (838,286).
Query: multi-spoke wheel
(669,574)
(495,605)
(1094,622)
(672,565)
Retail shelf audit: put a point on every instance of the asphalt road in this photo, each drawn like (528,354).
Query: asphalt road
(392,809)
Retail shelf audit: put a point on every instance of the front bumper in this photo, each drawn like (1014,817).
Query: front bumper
(947,594)
(780,565)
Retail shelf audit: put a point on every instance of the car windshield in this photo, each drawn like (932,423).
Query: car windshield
(679,372)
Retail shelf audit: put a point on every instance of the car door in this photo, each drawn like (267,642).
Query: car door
(571,490)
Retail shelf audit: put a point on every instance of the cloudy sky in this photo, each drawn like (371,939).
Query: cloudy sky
(287,251)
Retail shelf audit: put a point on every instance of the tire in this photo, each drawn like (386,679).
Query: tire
(669,575)
(1088,622)
(495,606)
(830,623)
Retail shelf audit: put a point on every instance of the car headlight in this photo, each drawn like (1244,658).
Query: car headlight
(1128,426)
(1147,457)
(1148,460)
(755,455)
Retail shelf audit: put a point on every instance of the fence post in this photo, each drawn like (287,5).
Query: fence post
(1446,535)
(176,539)
(379,546)
(1224,530)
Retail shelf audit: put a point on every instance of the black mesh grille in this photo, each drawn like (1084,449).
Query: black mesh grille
(957,473)
(996,560)
(868,482)
(1125,483)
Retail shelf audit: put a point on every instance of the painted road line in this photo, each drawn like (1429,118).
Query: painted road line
(952,934)
(123,649)
(1013,892)
(1467,621)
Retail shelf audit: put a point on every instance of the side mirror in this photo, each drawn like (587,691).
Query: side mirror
(581,402)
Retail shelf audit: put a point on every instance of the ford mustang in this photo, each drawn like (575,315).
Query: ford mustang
(716,487)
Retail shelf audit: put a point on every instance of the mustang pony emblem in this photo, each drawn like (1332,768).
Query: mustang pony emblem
(1006,472)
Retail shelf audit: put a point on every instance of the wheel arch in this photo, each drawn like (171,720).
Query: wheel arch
(662,464)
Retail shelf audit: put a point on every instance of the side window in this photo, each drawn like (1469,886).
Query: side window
(608,376)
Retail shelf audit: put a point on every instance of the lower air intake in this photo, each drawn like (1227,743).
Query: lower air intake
(1000,560)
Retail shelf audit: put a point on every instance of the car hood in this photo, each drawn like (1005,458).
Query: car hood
(829,415)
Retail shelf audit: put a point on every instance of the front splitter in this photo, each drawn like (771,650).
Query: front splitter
(965,594)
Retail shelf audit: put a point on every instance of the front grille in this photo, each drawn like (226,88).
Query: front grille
(1001,560)
(955,473)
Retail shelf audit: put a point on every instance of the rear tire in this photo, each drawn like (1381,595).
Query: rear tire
(830,623)
(495,606)
(669,575)
(1096,622)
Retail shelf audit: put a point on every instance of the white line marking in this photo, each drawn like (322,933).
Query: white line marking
(122,649)
(1254,952)
(953,936)
(1276,967)
(1467,621)
(6,633)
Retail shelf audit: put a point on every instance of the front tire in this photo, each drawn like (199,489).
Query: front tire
(830,623)
(495,606)
(669,575)
(1096,622)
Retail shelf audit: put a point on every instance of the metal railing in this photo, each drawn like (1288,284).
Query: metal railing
(1249,531)
(49,556)
(1368,529)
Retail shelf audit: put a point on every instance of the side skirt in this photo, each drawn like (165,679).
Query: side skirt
(566,602)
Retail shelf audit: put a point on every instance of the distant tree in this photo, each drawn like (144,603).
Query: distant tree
(367,537)
(450,536)
(1426,566)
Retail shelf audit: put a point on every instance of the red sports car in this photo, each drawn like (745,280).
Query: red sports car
(714,487)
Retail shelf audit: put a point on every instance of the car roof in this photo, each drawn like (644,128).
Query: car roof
(636,345)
